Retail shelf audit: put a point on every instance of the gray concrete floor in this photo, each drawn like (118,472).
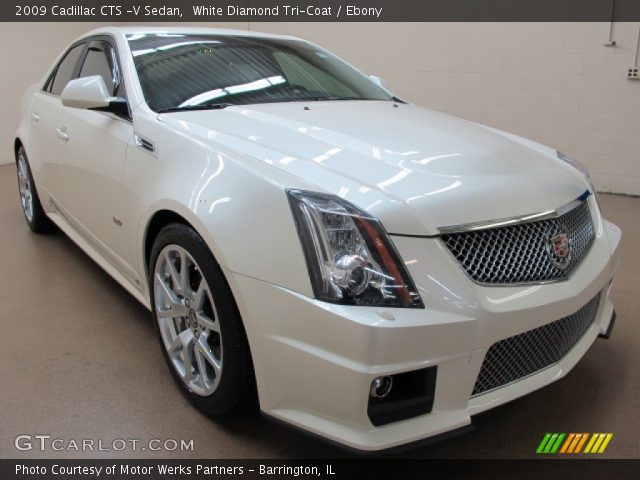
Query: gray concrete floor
(79,359)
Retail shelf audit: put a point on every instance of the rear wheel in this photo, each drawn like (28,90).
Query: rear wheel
(29,199)
(200,329)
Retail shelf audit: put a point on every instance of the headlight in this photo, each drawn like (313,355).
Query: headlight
(350,257)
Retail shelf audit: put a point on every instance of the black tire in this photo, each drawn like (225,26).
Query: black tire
(39,222)
(236,384)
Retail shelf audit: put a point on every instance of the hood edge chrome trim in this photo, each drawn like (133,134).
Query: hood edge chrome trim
(517,220)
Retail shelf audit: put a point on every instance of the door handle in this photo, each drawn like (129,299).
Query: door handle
(35,117)
(62,134)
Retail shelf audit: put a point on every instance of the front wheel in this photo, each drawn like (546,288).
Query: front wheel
(200,329)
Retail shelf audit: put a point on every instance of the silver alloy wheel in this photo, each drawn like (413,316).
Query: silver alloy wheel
(188,320)
(24,185)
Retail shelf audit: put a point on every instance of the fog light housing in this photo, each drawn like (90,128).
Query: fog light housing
(404,395)
(381,386)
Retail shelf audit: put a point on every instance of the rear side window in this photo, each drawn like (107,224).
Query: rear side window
(65,70)
(100,61)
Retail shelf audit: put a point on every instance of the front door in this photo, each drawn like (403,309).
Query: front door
(91,151)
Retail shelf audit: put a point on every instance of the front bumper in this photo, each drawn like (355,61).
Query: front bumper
(314,362)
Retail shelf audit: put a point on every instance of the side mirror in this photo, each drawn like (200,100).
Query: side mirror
(91,93)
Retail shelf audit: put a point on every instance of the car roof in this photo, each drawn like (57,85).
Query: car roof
(130,30)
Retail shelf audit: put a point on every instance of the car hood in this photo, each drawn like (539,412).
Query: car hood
(413,168)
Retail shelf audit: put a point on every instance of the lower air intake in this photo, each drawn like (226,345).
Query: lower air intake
(519,356)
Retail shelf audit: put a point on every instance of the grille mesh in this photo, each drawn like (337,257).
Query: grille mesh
(521,355)
(518,253)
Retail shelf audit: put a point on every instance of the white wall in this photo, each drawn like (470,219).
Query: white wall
(553,82)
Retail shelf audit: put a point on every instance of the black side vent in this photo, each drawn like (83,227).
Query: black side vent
(145,144)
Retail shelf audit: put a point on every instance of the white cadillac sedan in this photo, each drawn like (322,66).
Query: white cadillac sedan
(375,272)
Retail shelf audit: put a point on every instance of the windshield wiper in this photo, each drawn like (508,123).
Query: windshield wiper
(324,99)
(186,108)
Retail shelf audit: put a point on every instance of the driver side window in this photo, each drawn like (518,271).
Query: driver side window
(100,60)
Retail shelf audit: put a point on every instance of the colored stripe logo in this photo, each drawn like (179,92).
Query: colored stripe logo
(553,443)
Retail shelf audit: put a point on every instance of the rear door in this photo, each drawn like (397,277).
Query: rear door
(43,121)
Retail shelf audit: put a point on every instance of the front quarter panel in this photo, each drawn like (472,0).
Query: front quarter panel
(216,191)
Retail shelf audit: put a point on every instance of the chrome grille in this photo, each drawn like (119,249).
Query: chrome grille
(516,357)
(518,254)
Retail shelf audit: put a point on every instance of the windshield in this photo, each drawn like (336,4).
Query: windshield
(193,71)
